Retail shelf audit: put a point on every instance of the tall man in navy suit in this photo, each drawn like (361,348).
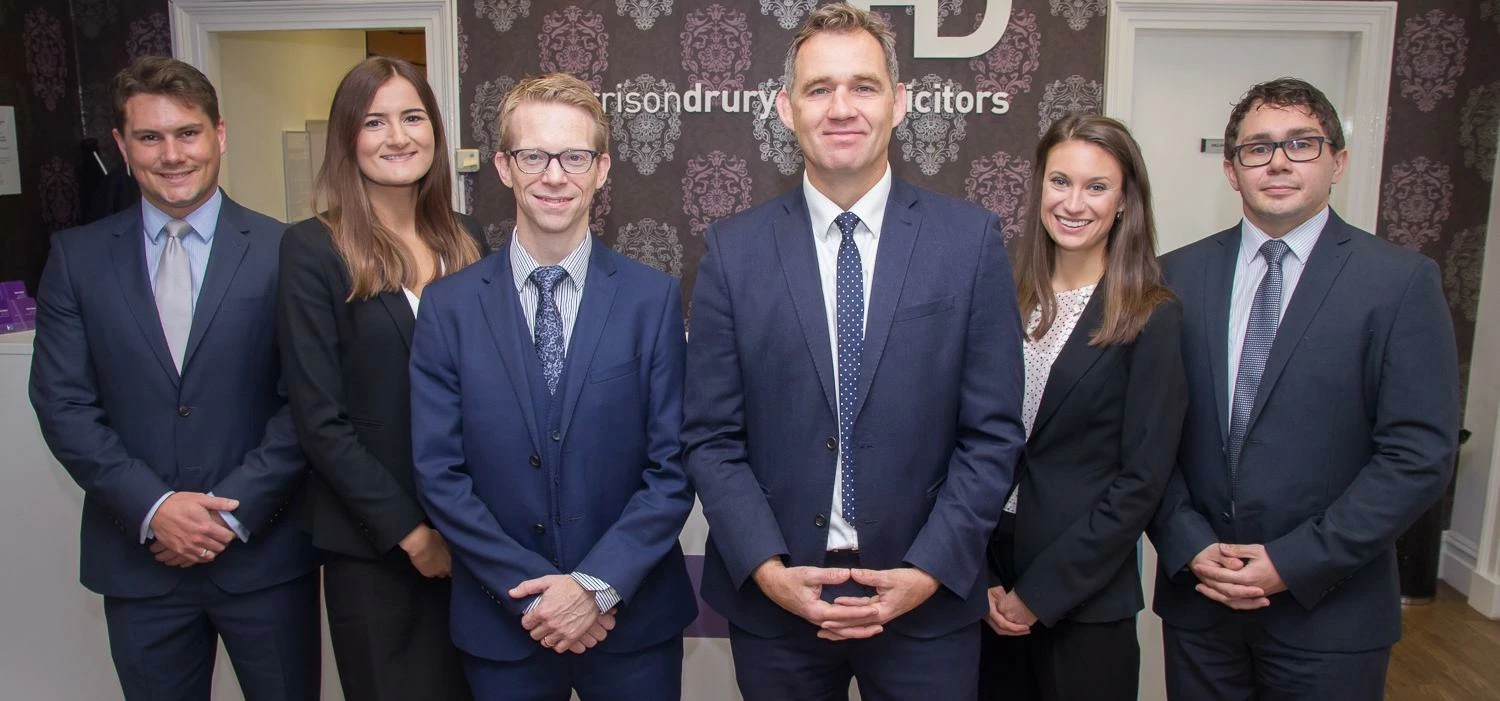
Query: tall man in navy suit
(546,385)
(853,404)
(1322,420)
(157,385)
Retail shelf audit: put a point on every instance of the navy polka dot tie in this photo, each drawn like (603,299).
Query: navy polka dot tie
(549,330)
(1260,333)
(851,330)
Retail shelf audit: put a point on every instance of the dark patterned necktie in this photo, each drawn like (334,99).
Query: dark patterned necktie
(850,309)
(549,328)
(1260,333)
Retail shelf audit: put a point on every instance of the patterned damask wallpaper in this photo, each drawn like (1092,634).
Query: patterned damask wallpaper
(56,60)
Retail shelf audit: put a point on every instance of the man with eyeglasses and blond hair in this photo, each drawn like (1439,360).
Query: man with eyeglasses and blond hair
(546,399)
(1322,420)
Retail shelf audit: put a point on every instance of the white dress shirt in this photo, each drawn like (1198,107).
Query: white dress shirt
(826,238)
(1250,268)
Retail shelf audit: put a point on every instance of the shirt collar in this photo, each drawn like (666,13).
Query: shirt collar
(870,208)
(1300,239)
(204,219)
(576,263)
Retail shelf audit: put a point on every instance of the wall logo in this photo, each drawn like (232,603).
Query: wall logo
(925,40)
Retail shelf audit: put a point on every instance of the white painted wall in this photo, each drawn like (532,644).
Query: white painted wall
(1186,83)
(270,82)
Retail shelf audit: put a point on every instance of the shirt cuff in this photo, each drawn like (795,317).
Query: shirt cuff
(146,532)
(234,524)
(605,596)
(535,599)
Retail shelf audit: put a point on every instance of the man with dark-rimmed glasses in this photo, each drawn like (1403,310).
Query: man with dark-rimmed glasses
(1322,420)
(546,400)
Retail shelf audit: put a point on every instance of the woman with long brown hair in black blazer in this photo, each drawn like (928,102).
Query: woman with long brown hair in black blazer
(351,280)
(1104,404)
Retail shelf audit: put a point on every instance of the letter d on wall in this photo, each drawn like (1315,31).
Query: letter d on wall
(925,40)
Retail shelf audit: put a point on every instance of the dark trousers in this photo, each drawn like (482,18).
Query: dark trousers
(1068,662)
(164,646)
(800,666)
(652,674)
(389,627)
(1237,660)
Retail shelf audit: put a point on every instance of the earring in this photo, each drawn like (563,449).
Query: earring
(1118,212)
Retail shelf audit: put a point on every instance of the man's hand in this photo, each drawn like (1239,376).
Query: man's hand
(595,635)
(896,592)
(428,551)
(799,590)
(564,614)
(997,620)
(187,525)
(1220,578)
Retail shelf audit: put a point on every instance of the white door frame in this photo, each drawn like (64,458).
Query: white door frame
(1373,25)
(193,21)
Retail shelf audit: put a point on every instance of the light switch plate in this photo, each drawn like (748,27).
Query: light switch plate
(467,160)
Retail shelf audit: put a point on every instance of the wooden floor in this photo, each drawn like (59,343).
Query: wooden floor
(1448,652)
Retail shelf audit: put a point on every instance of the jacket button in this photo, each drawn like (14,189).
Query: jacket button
(536,460)
(556,435)
(538,528)
(184,410)
(831,443)
(820,520)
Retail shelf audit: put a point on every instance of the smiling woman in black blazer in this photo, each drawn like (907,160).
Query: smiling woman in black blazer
(1105,400)
(349,290)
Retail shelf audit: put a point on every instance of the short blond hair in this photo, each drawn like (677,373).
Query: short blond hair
(561,88)
(842,17)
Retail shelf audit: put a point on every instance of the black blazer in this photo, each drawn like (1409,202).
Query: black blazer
(1352,436)
(350,393)
(1095,466)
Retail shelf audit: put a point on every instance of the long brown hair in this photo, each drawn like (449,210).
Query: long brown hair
(1132,284)
(376,258)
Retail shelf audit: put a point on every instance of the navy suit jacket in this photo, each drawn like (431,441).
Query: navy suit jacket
(128,427)
(1352,436)
(519,496)
(937,430)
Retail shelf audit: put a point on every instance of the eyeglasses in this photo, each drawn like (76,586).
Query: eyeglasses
(1298,150)
(535,160)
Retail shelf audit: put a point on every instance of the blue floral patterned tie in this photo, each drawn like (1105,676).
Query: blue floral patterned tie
(1260,333)
(851,329)
(549,328)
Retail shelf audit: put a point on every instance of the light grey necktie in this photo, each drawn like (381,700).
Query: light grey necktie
(174,290)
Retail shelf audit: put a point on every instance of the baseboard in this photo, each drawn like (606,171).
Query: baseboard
(1458,560)
(1484,596)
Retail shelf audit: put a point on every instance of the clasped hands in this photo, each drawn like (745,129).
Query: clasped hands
(1241,577)
(565,617)
(189,530)
(799,590)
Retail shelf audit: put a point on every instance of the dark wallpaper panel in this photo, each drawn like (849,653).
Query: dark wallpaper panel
(675,172)
(1444,112)
(56,61)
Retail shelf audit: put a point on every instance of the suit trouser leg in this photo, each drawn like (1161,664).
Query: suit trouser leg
(1212,664)
(654,673)
(389,627)
(272,636)
(1286,673)
(1005,667)
(163,646)
(1087,661)
(794,667)
(1237,660)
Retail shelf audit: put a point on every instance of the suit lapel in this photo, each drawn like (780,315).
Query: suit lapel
(400,310)
(799,263)
(898,236)
(128,252)
(502,311)
(231,240)
(1218,285)
(1073,362)
(588,327)
(1328,257)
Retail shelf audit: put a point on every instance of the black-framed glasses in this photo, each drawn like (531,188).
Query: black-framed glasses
(535,160)
(1298,150)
